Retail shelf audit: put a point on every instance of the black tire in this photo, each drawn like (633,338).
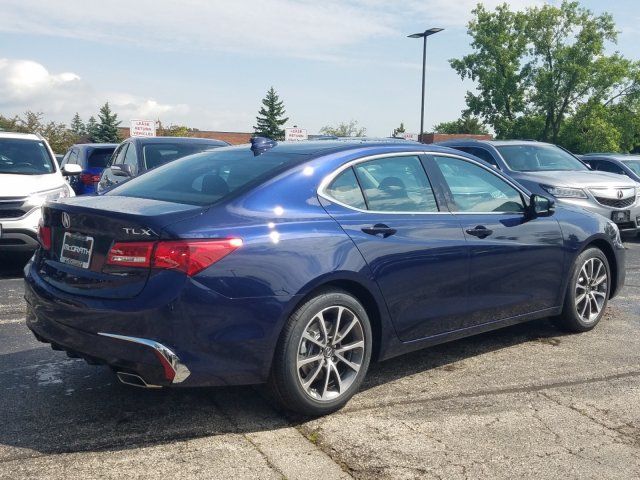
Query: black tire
(572,318)
(286,379)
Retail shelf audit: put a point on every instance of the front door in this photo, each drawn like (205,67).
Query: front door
(516,261)
(416,250)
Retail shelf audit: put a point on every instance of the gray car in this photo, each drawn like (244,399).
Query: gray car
(549,170)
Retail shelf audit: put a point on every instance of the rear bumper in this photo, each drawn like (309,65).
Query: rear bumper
(195,337)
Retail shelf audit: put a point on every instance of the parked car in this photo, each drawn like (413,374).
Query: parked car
(298,263)
(29,176)
(59,158)
(92,158)
(621,164)
(550,170)
(136,155)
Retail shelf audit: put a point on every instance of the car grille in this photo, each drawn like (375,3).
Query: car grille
(12,207)
(615,203)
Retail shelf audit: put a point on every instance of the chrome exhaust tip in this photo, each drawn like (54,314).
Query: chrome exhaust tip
(134,380)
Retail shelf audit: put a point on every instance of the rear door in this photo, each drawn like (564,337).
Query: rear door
(516,262)
(416,249)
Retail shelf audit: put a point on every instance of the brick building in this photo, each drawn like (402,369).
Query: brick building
(234,138)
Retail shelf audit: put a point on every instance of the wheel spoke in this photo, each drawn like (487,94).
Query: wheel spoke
(323,327)
(350,346)
(600,267)
(308,360)
(599,293)
(327,374)
(599,280)
(336,374)
(313,340)
(336,330)
(353,366)
(580,298)
(347,330)
(310,378)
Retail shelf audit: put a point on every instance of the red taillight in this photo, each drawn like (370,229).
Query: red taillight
(192,256)
(44,236)
(131,254)
(89,178)
(188,256)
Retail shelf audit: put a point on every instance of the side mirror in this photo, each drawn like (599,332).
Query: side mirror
(540,206)
(121,170)
(71,169)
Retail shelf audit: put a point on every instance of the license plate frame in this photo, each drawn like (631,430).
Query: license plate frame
(76,250)
(622,216)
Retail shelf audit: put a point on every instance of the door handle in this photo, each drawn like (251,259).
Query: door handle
(479,231)
(380,229)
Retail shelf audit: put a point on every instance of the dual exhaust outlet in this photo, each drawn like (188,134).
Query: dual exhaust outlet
(134,380)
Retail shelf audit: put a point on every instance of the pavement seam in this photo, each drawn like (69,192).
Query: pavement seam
(482,393)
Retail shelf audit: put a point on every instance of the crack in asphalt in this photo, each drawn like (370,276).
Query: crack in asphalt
(483,393)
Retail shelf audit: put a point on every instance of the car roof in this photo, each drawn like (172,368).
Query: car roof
(96,145)
(20,136)
(495,143)
(176,140)
(316,148)
(611,156)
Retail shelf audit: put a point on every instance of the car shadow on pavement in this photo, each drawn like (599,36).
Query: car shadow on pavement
(12,264)
(52,404)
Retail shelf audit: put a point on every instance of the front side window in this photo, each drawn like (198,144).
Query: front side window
(475,189)
(536,158)
(24,157)
(634,165)
(396,184)
(119,154)
(345,189)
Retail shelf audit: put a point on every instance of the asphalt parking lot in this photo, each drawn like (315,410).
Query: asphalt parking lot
(527,402)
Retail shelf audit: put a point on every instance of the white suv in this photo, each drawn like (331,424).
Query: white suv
(29,176)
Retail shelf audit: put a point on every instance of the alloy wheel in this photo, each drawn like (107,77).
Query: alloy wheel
(330,353)
(591,290)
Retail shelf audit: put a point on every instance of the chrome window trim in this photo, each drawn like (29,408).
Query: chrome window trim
(326,181)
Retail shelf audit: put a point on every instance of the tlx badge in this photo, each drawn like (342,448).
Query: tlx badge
(138,231)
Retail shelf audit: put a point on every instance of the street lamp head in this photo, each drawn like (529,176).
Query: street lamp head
(426,33)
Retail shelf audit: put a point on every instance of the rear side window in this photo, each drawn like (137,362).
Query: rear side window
(396,184)
(99,157)
(345,189)
(25,157)
(206,178)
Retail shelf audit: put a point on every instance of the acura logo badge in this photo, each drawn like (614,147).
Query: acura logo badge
(66,221)
(620,194)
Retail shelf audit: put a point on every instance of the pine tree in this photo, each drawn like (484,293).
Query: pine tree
(399,130)
(107,131)
(271,118)
(77,126)
(92,129)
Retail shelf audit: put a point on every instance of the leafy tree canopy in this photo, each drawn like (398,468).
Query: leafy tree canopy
(465,124)
(345,129)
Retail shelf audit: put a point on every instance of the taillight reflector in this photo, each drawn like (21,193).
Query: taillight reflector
(89,178)
(131,254)
(44,236)
(188,256)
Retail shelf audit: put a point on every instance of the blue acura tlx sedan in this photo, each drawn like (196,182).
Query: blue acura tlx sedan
(296,264)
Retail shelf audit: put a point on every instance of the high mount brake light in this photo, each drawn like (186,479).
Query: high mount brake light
(188,256)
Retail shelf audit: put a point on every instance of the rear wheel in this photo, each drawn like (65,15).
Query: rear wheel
(587,292)
(323,354)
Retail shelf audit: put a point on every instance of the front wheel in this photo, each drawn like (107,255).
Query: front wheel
(323,354)
(587,292)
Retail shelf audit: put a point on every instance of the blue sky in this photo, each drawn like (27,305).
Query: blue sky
(208,63)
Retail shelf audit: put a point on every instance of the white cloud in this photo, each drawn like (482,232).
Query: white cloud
(28,85)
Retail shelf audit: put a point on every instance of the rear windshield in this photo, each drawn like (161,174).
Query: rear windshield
(24,157)
(99,157)
(206,178)
(537,158)
(156,154)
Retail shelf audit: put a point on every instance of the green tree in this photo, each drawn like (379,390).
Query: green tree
(59,137)
(92,129)
(466,124)
(271,119)
(77,126)
(345,129)
(174,130)
(107,128)
(540,64)
(9,124)
(399,130)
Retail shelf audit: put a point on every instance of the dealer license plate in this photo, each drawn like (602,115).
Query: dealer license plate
(76,249)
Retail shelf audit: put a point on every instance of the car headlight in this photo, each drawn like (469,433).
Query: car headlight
(38,199)
(565,192)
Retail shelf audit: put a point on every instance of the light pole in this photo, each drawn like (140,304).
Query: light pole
(424,36)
